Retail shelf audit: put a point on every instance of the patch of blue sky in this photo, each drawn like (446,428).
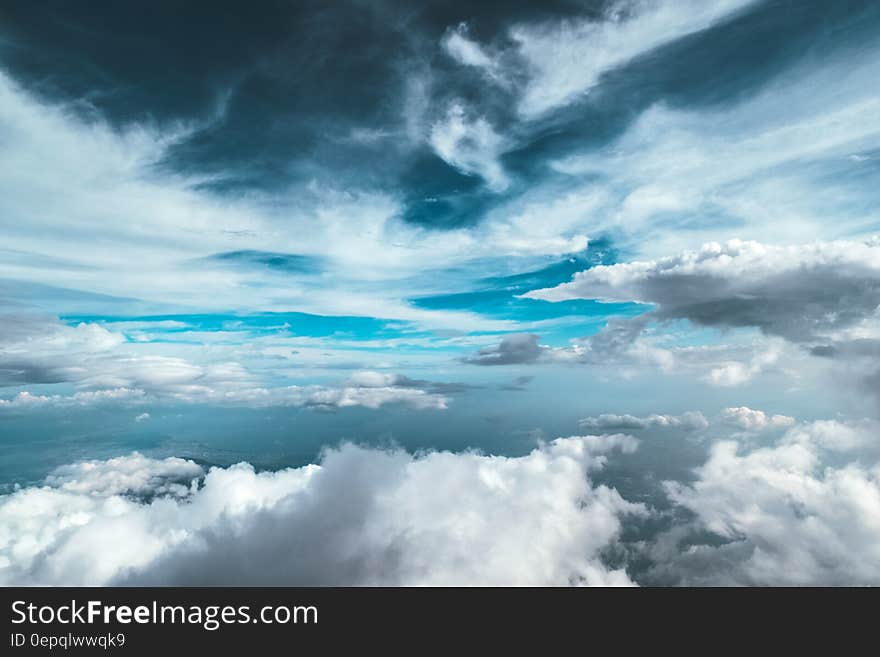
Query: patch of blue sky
(289,323)
(558,322)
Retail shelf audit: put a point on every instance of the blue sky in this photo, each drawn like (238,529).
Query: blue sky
(256,233)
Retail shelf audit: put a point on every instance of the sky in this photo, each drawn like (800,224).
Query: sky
(578,292)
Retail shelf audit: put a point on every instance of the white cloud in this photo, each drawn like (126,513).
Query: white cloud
(791,517)
(362,516)
(607,422)
(143,417)
(753,420)
(565,59)
(468,52)
(65,184)
(732,373)
(470,145)
(788,152)
(134,474)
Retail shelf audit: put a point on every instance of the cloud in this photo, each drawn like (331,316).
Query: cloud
(108,369)
(788,516)
(732,373)
(512,350)
(565,59)
(25,400)
(802,293)
(471,146)
(752,420)
(165,255)
(127,475)
(627,347)
(360,517)
(468,52)
(689,421)
(143,417)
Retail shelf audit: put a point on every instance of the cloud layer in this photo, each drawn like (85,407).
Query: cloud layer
(362,516)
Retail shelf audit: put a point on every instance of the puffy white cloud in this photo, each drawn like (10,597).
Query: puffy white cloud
(363,516)
(754,420)
(792,518)
(607,422)
(134,474)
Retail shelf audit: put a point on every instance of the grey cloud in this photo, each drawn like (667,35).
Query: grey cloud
(512,350)
(801,293)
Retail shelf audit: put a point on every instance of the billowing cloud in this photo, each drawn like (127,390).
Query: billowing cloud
(126,475)
(629,346)
(362,516)
(787,515)
(750,419)
(802,293)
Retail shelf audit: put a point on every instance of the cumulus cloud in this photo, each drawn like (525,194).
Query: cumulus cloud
(802,293)
(627,347)
(753,420)
(728,373)
(788,516)
(607,422)
(39,350)
(126,475)
(360,517)
(620,343)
